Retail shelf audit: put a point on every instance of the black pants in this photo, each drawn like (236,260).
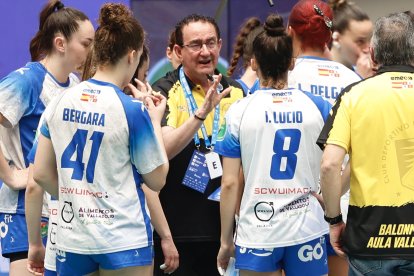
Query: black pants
(196,259)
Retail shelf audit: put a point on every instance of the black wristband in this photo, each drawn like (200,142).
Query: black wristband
(199,118)
(334,220)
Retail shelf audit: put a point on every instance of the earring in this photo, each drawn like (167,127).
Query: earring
(335,42)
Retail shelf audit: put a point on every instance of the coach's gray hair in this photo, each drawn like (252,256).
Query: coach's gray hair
(393,40)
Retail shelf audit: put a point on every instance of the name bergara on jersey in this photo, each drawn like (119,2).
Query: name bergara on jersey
(83,117)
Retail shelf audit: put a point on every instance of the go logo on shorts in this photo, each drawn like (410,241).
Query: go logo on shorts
(308,253)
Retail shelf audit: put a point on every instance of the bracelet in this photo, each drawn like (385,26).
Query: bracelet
(199,118)
(334,220)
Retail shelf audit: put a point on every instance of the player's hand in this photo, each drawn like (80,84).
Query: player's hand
(35,259)
(335,233)
(171,257)
(18,179)
(364,65)
(143,91)
(156,109)
(223,257)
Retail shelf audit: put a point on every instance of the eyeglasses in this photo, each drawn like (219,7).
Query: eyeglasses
(328,22)
(198,45)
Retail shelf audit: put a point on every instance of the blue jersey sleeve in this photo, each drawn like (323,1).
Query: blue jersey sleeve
(323,106)
(228,145)
(44,130)
(19,93)
(146,152)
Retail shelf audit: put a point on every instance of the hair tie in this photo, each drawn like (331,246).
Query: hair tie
(59,5)
(328,22)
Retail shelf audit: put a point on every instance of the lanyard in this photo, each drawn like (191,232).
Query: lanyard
(192,107)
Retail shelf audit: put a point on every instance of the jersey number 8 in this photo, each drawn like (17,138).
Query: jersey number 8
(284,159)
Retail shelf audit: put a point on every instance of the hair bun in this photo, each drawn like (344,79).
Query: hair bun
(114,15)
(274,25)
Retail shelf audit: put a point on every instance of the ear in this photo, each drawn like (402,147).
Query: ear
(296,43)
(219,43)
(168,53)
(178,52)
(253,64)
(289,30)
(132,56)
(336,37)
(371,52)
(60,43)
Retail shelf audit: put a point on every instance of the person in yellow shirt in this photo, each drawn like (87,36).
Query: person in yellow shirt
(373,121)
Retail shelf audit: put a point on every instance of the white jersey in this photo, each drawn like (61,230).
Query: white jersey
(24,94)
(321,77)
(324,78)
(103,140)
(274,132)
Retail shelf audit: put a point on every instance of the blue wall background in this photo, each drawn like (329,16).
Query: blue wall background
(19,22)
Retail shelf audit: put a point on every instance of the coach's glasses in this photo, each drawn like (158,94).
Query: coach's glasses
(197,45)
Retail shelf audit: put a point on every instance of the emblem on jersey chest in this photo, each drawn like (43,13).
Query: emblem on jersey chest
(90,95)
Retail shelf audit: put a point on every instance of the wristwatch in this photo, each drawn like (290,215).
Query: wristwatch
(334,220)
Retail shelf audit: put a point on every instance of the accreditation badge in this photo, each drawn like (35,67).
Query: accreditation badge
(197,176)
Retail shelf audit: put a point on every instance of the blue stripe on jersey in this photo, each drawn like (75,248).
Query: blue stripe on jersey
(246,89)
(323,106)
(27,129)
(251,90)
(44,129)
(32,152)
(141,131)
(229,146)
(102,83)
(141,198)
(62,84)
(255,86)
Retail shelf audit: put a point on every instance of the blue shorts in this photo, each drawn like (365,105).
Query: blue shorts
(49,273)
(13,233)
(78,264)
(294,260)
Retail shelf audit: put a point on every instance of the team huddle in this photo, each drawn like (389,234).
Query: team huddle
(301,166)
